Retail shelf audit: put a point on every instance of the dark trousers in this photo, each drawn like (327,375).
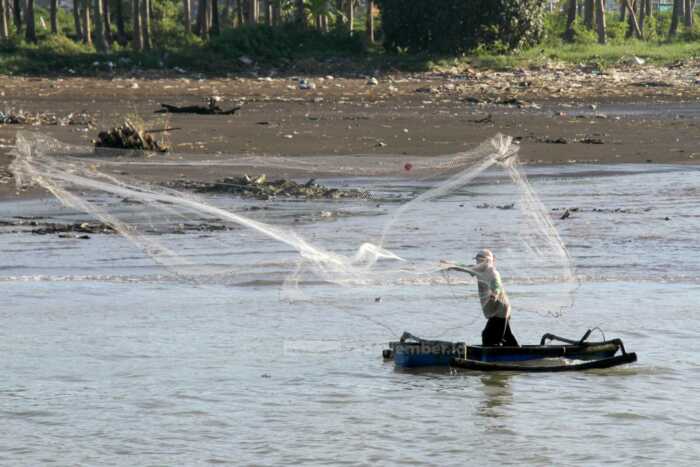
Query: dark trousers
(497,332)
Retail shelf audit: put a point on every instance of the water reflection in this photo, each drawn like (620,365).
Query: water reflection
(497,394)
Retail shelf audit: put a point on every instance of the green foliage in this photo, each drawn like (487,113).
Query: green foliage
(284,42)
(582,35)
(615,30)
(453,26)
(57,45)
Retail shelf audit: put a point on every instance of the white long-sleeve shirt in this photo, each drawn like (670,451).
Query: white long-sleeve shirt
(493,297)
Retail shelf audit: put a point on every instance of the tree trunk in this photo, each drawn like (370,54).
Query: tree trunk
(207,17)
(108,21)
(87,30)
(600,20)
(300,13)
(53,14)
(634,25)
(215,25)
(76,21)
(227,10)
(570,18)
(17,15)
(276,13)
(146,23)
(253,12)
(202,18)
(4,32)
(623,10)
(136,25)
(370,22)
(121,30)
(350,12)
(689,13)
(187,10)
(30,32)
(675,16)
(630,22)
(589,11)
(98,20)
(239,12)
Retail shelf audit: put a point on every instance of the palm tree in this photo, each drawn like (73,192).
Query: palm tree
(106,11)
(320,12)
(76,21)
(136,20)
(99,20)
(121,29)
(570,18)
(689,9)
(370,21)
(53,14)
(17,15)
(600,20)
(675,17)
(4,32)
(30,33)
(187,9)
(203,18)
(350,13)
(253,12)
(276,12)
(300,13)
(215,25)
(588,13)
(146,23)
(87,34)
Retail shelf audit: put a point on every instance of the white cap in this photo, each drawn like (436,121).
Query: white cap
(484,254)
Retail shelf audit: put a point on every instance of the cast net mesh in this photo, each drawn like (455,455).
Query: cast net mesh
(409,212)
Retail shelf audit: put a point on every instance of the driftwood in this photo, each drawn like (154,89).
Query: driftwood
(128,136)
(197,109)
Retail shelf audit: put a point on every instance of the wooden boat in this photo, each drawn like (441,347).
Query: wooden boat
(544,365)
(412,352)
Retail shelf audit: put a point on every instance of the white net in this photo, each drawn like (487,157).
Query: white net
(386,220)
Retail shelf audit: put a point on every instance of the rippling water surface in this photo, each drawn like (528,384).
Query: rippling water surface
(109,360)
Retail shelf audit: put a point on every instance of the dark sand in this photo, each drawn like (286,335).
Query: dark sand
(346,116)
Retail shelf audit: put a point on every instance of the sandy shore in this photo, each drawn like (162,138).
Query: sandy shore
(621,117)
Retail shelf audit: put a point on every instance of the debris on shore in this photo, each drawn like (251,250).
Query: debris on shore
(83,229)
(263,189)
(20,117)
(504,207)
(567,212)
(129,136)
(212,108)
(77,227)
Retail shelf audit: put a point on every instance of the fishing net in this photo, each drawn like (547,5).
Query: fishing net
(358,221)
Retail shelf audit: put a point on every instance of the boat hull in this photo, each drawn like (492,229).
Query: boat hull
(540,367)
(413,352)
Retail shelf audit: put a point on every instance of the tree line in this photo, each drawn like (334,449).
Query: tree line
(100,23)
(635,12)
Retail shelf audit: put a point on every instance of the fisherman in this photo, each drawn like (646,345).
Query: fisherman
(494,301)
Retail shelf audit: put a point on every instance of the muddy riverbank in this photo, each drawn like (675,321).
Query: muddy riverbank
(559,116)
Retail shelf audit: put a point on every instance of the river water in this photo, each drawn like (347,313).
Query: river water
(109,360)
